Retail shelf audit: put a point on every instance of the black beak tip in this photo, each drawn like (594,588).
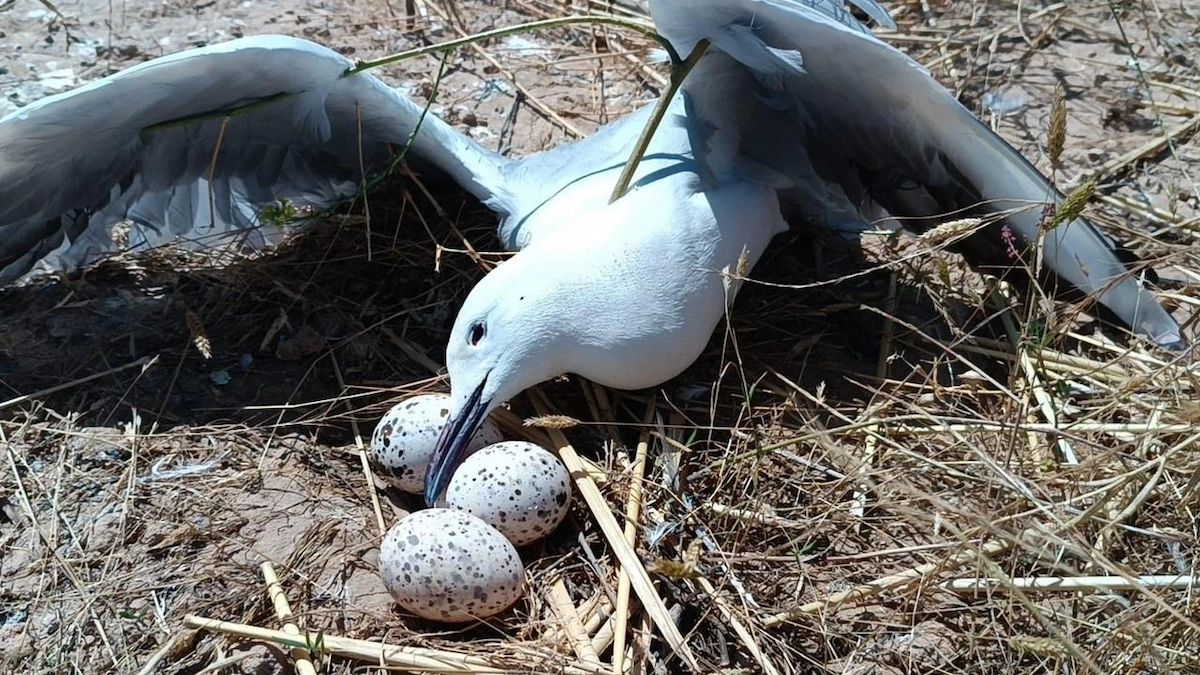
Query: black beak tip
(446,456)
(433,487)
(452,444)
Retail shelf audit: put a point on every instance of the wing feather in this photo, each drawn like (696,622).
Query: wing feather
(154,144)
(857,123)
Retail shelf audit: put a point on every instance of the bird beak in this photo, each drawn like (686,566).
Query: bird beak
(452,444)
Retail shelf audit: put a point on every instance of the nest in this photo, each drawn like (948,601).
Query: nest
(907,468)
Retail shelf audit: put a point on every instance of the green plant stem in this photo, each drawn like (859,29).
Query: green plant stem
(637,26)
(679,73)
(412,135)
(218,114)
(444,47)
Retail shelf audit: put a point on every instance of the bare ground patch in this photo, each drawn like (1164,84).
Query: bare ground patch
(790,466)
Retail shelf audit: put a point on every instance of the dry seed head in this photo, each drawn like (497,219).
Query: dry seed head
(1073,204)
(688,568)
(673,569)
(199,335)
(1057,138)
(552,422)
(1039,646)
(743,263)
(732,279)
(951,230)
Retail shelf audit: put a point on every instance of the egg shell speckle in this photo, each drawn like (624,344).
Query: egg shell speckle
(447,565)
(517,487)
(403,441)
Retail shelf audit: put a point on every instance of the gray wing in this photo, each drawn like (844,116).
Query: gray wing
(154,145)
(855,123)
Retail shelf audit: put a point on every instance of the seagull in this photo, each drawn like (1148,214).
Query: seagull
(796,106)
(793,112)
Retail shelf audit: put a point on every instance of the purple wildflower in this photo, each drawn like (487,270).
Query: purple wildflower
(1010,240)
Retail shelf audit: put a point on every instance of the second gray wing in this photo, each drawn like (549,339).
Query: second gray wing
(853,120)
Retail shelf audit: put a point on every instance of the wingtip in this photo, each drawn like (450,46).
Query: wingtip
(1160,328)
(1164,333)
(1177,346)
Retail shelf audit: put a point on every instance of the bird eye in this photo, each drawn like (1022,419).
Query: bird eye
(478,330)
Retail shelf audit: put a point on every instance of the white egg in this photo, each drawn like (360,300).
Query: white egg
(517,487)
(403,442)
(447,565)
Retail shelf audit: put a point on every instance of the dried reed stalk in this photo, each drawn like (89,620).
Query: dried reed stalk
(283,611)
(639,578)
(1074,584)
(422,659)
(572,625)
(633,512)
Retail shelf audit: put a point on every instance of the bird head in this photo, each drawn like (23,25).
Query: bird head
(504,341)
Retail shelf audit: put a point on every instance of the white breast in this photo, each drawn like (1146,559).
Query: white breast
(649,275)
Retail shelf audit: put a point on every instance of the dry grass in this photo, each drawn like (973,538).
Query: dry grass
(982,483)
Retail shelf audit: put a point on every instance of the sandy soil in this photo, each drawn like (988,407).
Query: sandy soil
(155,490)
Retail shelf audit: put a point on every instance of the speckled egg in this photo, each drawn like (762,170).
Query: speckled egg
(517,487)
(403,442)
(447,565)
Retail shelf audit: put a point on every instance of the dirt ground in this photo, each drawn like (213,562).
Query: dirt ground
(144,482)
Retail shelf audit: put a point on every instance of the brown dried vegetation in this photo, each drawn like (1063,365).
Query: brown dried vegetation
(819,489)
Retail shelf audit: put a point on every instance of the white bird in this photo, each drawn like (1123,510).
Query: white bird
(795,108)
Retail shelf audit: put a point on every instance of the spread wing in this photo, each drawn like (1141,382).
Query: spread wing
(854,124)
(156,145)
